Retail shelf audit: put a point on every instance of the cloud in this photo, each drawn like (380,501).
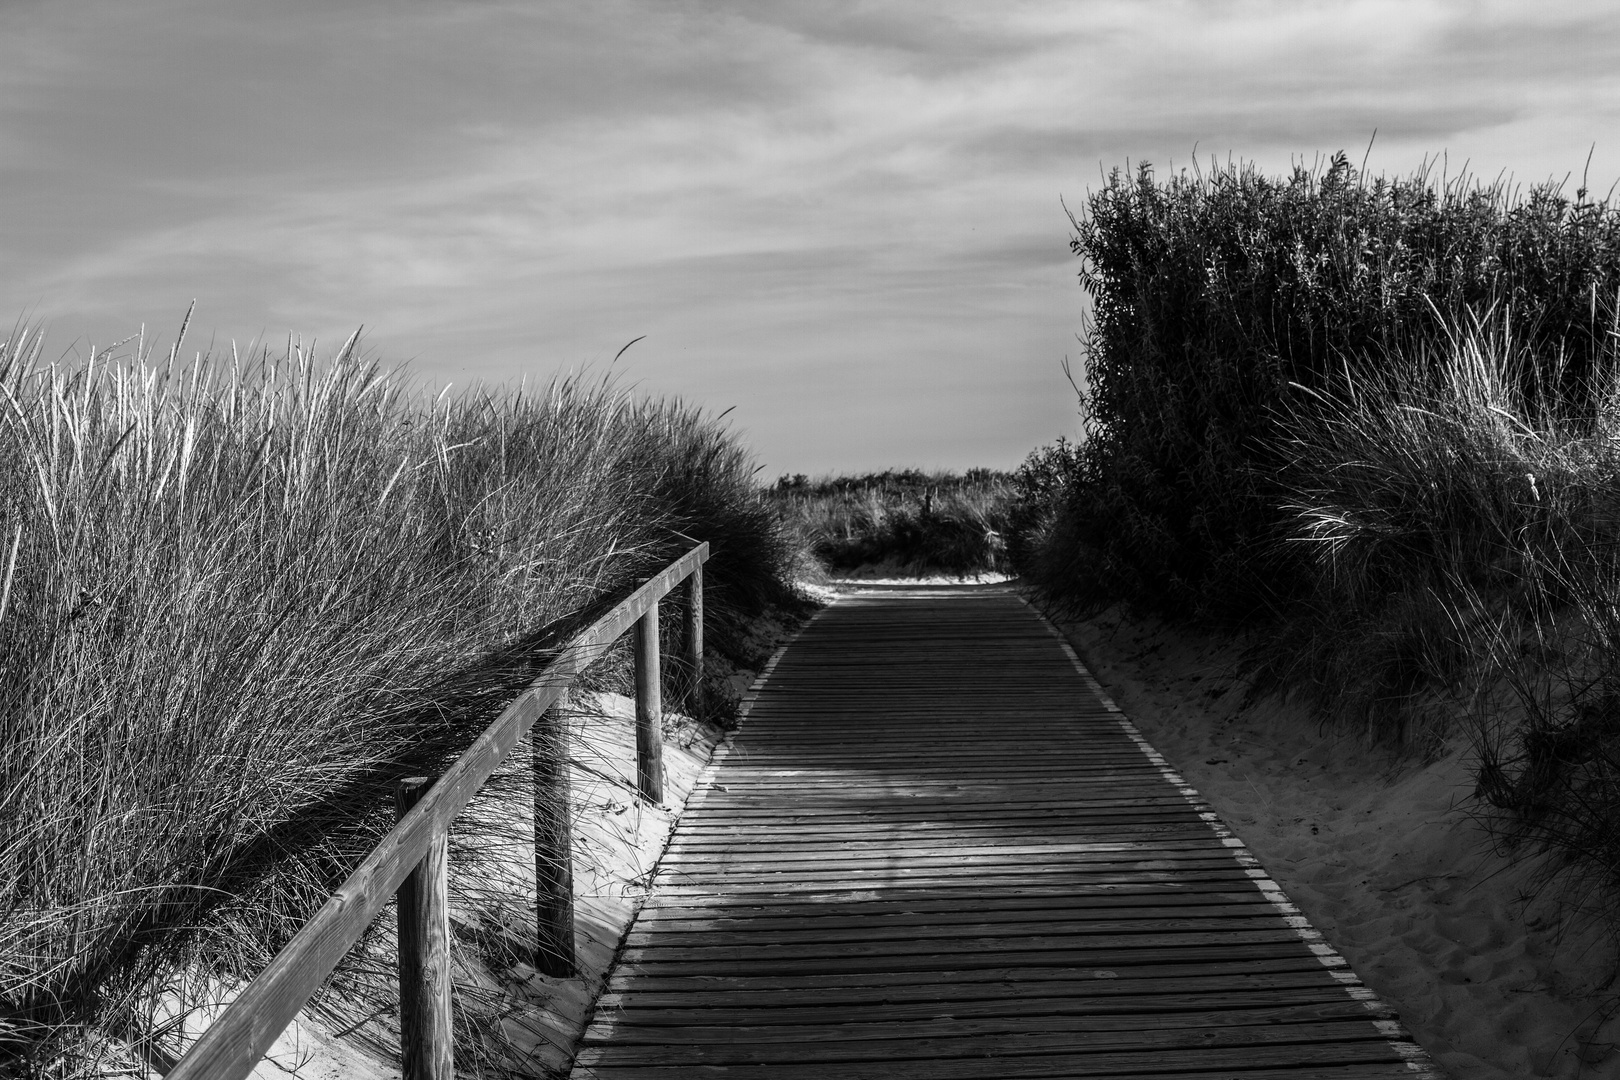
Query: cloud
(791,199)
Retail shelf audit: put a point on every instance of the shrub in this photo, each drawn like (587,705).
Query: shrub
(913,521)
(1038,490)
(1215,293)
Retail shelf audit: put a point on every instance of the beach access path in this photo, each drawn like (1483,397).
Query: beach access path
(935,849)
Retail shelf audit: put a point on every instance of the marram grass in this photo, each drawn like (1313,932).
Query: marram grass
(240,596)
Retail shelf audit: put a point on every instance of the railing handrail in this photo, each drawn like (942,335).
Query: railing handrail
(240,1036)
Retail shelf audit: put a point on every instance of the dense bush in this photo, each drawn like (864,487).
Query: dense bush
(240,599)
(910,521)
(1215,295)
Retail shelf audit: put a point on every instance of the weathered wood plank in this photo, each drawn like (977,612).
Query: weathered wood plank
(553,850)
(425,1037)
(627,977)
(1089,997)
(1031,952)
(1213,1066)
(864,882)
(649,707)
(1013,1057)
(961,892)
(1306,1040)
(908,922)
(812,932)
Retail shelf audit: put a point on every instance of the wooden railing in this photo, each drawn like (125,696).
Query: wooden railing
(411,859)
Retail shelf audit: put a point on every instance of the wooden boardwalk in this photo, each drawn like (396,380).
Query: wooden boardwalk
(936,850)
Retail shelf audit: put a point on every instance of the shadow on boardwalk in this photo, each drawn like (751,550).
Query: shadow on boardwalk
(936,850)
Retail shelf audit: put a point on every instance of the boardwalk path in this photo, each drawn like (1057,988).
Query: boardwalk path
(935,851)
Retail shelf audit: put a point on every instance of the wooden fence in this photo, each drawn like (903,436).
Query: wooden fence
(411,859)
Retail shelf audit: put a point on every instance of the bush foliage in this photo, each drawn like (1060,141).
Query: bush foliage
(1216,294)
(911,521)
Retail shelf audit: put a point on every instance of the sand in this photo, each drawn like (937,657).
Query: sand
(618,841)
(1384,858)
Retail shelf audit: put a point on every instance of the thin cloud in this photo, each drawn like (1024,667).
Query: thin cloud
(790,199)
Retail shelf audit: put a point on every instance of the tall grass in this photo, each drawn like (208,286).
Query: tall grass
(1416,489)
(1462,535)
(909,521)
(242,595)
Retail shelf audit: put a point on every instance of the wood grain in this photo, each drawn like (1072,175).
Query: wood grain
(425,1037)
(694,643)
(935,851)
(553,850)
(649,708)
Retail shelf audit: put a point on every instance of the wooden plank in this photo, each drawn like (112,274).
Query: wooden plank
(239,1037)
(425,1036)
(1225,1066)
(907,921)
(1031,952)
(946,1037)
(649,708)
(1011,1057)
(959,891)
(815,932)
(983,966)
(1007,978)
(553,850)
(1090,997)
(716,812)
(831,883)
(836,849)
(924,859)
(693,636)
(791,836)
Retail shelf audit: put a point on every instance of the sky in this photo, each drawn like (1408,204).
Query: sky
(844,221)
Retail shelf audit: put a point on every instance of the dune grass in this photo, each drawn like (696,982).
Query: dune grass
(1460,527)
(242,595)
(910,521)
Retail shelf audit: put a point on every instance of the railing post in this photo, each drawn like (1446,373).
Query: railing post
(553,848)
(649,709)
(424,955)
(694,640)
